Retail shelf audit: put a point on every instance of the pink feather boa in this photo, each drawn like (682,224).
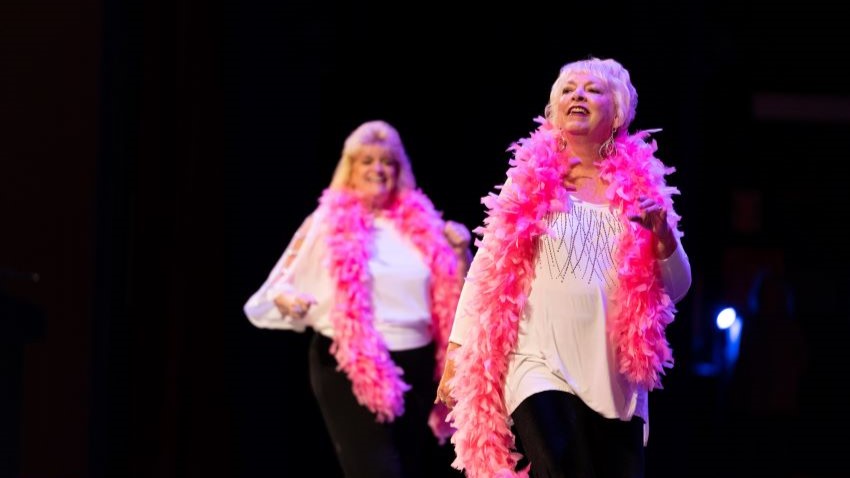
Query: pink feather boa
(359,350)
(504,272)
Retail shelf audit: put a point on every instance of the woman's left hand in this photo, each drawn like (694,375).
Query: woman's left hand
(444,390)
(457,234)
(653,217)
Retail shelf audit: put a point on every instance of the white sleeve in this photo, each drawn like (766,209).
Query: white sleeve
(260,307)
(676,273)
(463,320)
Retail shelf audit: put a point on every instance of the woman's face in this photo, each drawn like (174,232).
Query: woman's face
(374,173)
(586,107)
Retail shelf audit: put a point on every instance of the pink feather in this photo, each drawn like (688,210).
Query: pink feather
(358,348)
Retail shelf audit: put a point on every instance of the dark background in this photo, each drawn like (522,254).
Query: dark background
(157,156)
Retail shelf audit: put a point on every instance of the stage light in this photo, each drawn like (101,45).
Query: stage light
(726,318)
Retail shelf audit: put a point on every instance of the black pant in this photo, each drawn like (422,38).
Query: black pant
(365,448)
(564,438)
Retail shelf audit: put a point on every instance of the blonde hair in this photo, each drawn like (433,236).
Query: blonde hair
(615,77)
(373,133)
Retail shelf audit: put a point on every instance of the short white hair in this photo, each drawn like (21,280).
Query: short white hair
(616,78)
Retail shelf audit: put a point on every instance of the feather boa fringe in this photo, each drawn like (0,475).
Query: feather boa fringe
(358,348)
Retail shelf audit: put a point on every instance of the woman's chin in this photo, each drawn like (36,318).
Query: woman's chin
(377,197)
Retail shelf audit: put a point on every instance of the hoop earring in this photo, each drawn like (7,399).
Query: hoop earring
(562,145)
(609,147)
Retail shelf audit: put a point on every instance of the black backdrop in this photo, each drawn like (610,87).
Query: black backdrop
(193,138)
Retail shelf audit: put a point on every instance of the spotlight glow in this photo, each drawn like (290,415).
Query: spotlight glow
(726,318)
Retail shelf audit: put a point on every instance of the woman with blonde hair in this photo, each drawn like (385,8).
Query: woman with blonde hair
(376,273)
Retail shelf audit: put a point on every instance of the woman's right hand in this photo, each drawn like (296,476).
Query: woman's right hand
(444,390)
(294,305)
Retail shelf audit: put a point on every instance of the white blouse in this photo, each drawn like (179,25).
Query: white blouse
(400,286)
(562,343)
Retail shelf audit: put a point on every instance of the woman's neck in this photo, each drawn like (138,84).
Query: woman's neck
(377,205)
(587,152)
(582,179)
